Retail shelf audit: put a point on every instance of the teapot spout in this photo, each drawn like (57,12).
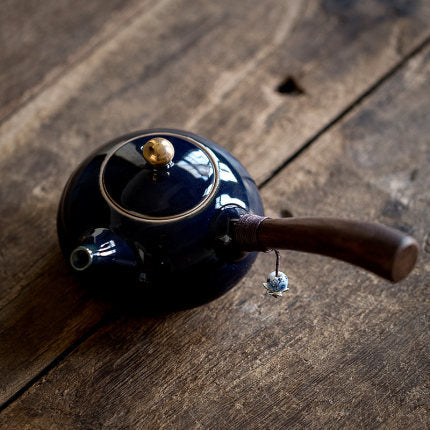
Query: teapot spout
(101,248)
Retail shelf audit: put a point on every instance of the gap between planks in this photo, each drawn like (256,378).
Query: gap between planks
(120,20)
(347,110)
(109,317)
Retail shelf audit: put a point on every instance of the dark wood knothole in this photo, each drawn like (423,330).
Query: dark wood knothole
(290,86)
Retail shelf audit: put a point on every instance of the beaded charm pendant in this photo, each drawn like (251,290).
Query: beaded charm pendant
(276,284)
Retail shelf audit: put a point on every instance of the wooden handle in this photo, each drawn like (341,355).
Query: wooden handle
(387,252)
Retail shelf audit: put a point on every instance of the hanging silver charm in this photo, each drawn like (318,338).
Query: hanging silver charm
(277,282)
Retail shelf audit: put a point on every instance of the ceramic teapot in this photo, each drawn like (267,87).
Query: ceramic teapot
(177,218)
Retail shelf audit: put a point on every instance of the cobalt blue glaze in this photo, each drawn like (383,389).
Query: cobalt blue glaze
(165,264)
(129,179)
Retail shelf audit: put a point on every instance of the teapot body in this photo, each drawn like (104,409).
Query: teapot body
(182,258)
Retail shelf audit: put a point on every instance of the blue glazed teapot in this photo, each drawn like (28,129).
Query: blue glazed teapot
(174,217)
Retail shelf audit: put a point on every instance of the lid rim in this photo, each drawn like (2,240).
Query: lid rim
(136,216)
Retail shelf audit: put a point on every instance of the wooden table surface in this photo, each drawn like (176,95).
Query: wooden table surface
(327,103)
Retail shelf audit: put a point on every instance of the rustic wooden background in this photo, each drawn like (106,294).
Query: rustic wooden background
(327,103)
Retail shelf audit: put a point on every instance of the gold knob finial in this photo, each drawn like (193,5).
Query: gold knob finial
(158,151)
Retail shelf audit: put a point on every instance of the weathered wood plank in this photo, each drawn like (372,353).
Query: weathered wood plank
(94,102)
(344,349)
(215,69)
(40,146)
(101,98)
(39,40)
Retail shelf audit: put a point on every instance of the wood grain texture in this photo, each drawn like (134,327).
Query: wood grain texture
(220,64)
(213,68)
(38,41)
(344,350)
(384,251)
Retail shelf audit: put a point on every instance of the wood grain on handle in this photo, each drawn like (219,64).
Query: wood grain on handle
(387,252)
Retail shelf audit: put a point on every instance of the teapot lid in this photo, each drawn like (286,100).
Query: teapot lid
(159,177)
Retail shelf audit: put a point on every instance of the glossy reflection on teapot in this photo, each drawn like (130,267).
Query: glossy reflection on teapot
(163,229)
(175,218)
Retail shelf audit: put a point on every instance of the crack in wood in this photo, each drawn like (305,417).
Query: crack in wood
(400,64)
